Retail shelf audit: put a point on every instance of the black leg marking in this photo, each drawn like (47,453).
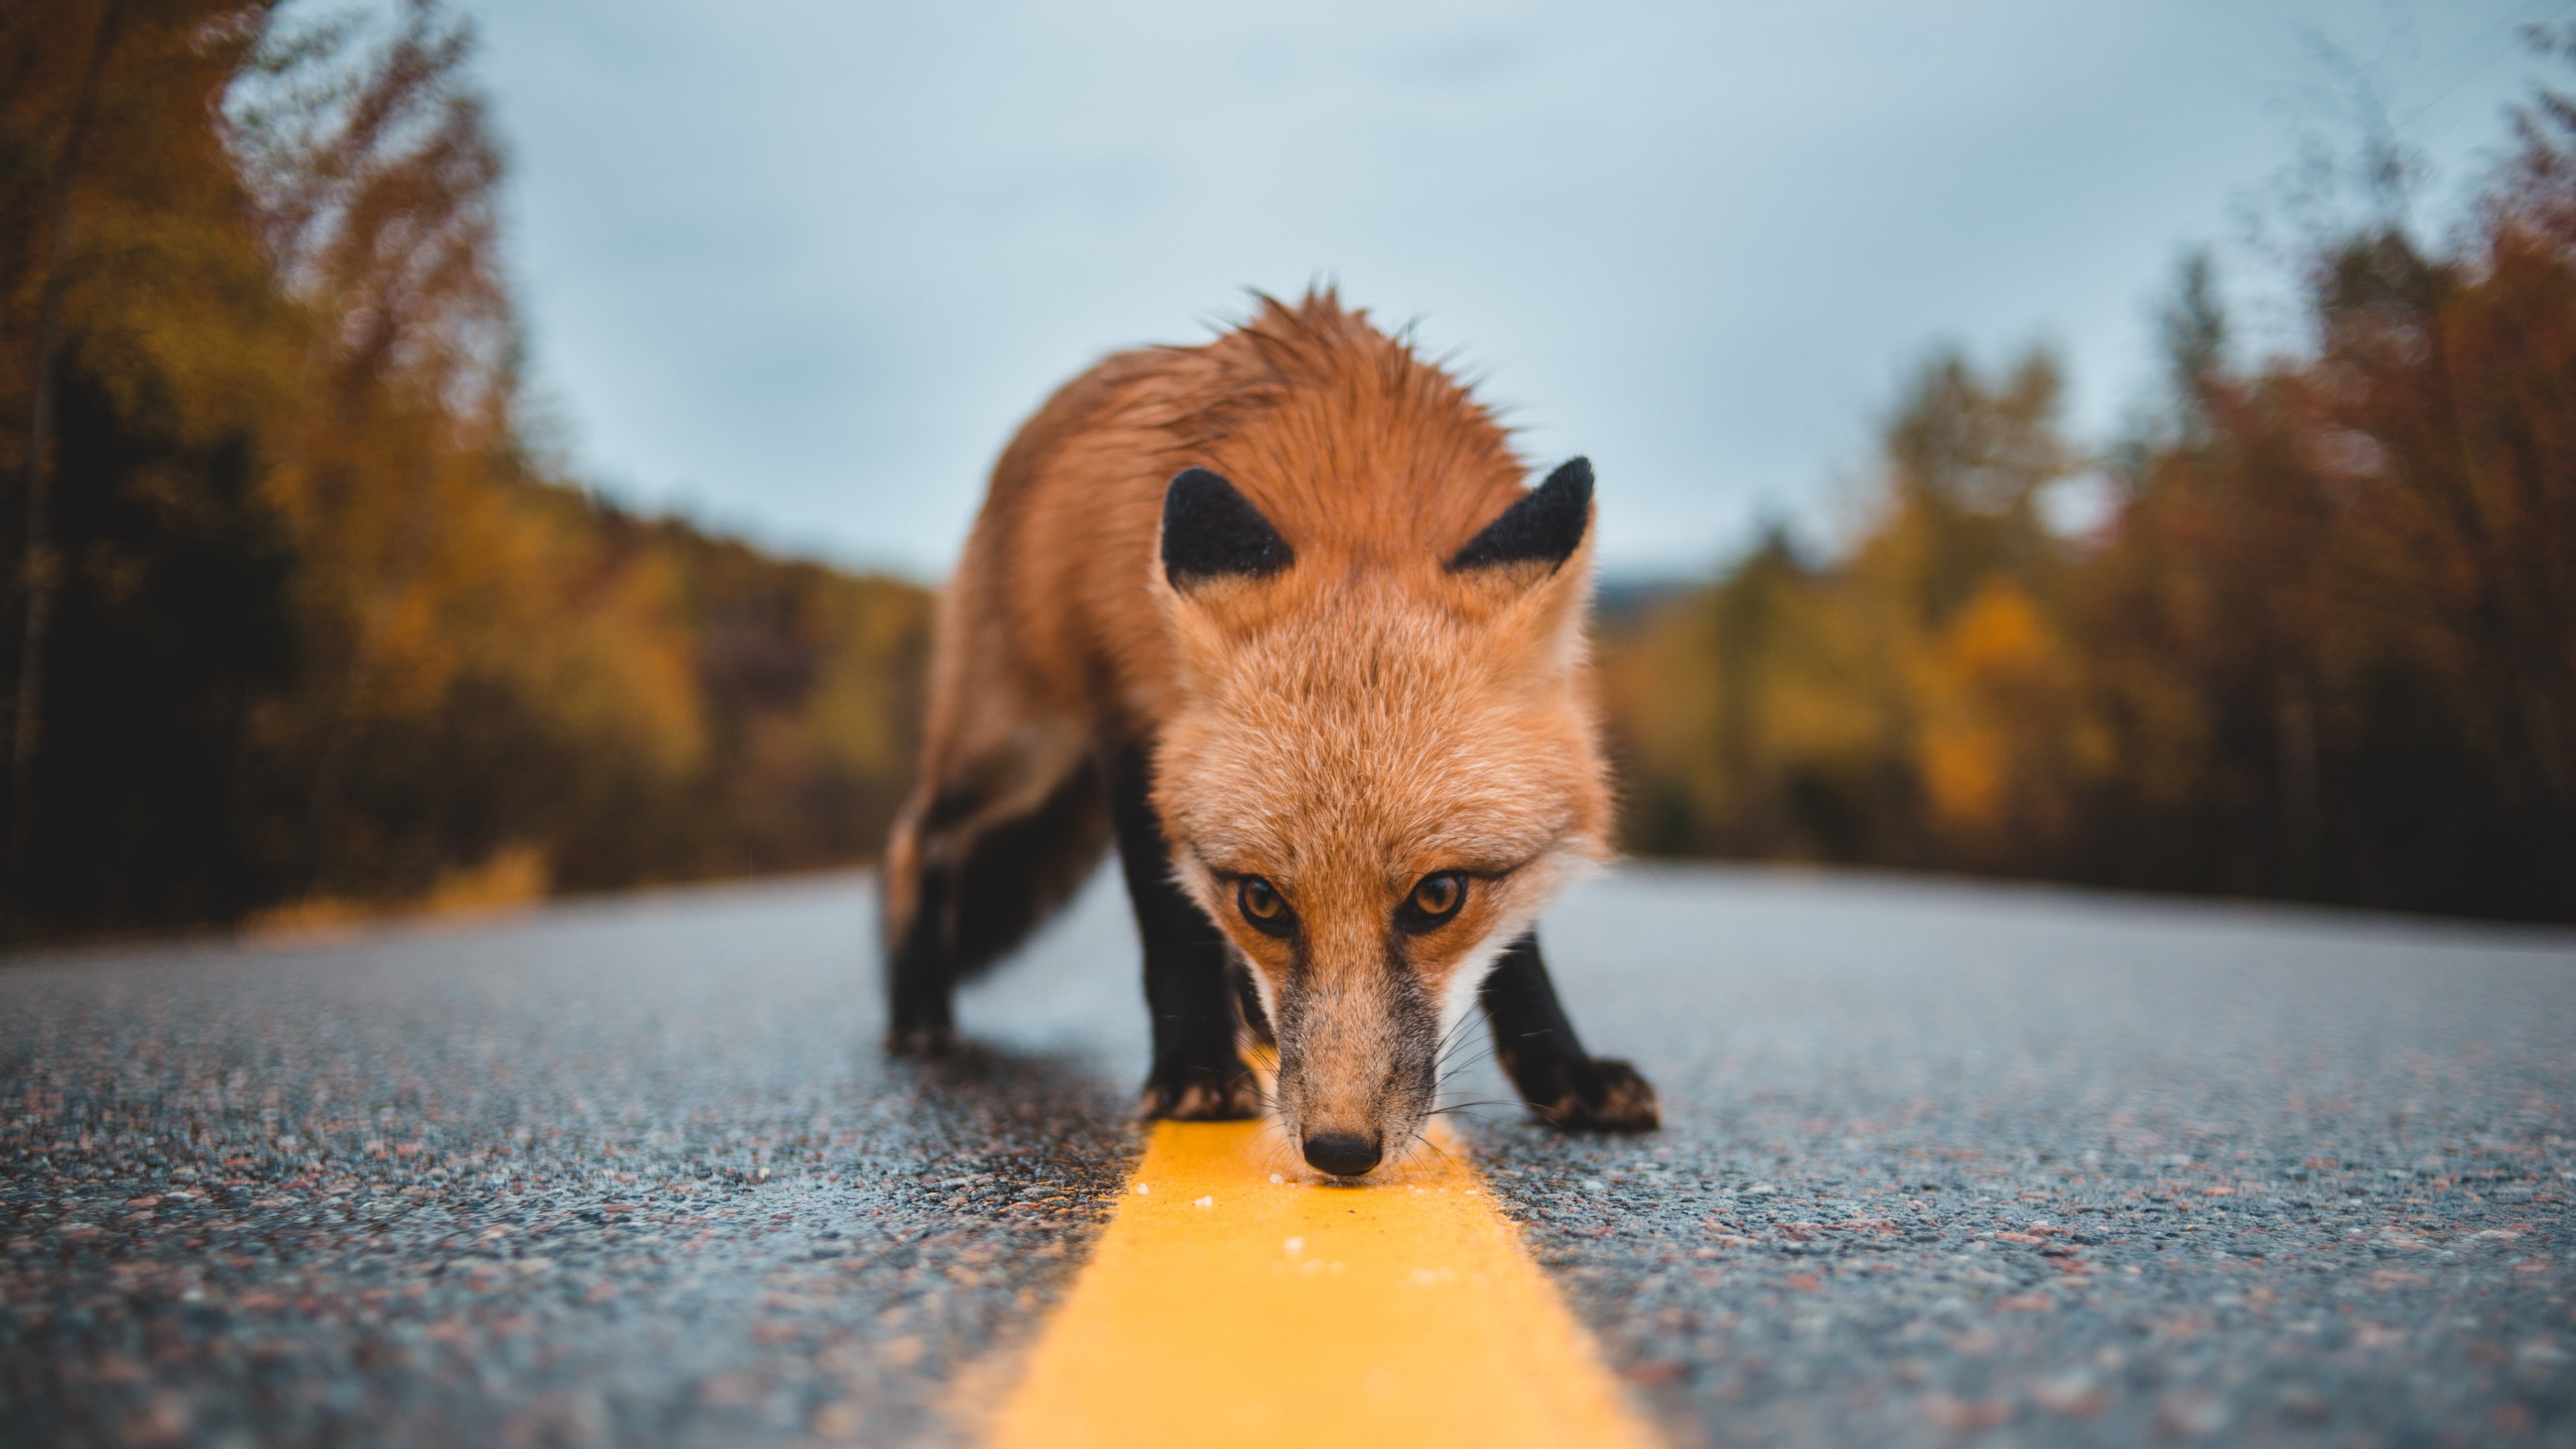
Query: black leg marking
(1189,975)
(919,979)
(1540,1053)
(969,912)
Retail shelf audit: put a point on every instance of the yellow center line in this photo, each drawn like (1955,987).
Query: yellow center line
(1234,1301)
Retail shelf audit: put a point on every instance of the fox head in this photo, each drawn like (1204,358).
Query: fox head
(1376,772)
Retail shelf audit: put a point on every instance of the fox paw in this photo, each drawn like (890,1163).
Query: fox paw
(1599,1094)
(1201,1094)
(921,1041)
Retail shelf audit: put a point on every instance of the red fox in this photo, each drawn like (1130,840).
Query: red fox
(1277,615)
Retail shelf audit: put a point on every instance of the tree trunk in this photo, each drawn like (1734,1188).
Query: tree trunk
(43,566)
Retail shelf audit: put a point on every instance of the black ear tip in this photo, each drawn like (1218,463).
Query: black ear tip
(1545,525)
(1210,529)
(1574,475)
(1194,488)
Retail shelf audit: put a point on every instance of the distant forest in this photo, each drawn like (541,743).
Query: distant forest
(2323,647)
(300,622)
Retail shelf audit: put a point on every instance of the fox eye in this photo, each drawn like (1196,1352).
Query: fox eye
(1262,905)
(1435,899)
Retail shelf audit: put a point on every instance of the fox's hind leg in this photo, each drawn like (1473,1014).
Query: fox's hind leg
(1536,1042)
(977,860)
(1190,988)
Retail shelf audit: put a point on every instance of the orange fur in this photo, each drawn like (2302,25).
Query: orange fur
(1340,729)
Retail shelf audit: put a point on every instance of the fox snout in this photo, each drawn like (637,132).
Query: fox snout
(1357,1072)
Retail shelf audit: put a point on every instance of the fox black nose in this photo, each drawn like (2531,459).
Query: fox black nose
(1343,1154)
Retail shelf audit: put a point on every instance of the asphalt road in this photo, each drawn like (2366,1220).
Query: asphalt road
(1944,1164)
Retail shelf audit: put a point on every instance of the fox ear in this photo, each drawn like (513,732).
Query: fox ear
(1210,530)
(1546,525)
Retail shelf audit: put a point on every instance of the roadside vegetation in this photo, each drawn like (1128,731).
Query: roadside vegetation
(301,621)
(300,618)
(2322,646)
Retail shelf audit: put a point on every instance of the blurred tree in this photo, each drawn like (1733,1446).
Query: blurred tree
(2324,648)
(51,266)
(374,185)
(139,361)
(304,625)
(1894,708)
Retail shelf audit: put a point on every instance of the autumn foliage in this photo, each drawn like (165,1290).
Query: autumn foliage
(299,622)
(2324,646)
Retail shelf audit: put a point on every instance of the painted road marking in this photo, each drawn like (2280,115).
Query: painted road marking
(1232,1301)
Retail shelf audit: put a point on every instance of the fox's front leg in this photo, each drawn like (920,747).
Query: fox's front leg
(1198,1075)
(1539,1052)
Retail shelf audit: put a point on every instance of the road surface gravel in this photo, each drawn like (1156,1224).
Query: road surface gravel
(1944,1163)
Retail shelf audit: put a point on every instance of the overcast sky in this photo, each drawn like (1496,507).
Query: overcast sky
(797,269)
